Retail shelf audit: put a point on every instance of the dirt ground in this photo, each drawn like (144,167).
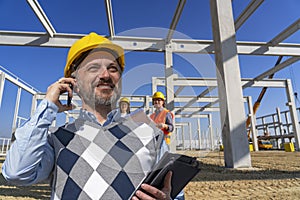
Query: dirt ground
(275,175)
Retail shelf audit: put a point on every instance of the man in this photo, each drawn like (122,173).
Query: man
(95,157)
(162,117)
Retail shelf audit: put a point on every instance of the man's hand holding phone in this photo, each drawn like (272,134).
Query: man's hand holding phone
(59,87)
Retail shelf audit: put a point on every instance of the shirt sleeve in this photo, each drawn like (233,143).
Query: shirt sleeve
(169,122)
(30,158)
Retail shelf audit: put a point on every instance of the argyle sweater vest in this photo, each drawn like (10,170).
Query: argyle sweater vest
(95,162)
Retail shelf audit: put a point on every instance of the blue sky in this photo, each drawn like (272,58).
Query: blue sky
(41,66)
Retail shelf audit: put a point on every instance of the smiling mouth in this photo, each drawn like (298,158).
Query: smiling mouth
(106,86)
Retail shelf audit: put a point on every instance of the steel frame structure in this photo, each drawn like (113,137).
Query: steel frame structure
(224,45)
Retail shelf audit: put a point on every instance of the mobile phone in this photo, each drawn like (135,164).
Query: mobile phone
(69,101)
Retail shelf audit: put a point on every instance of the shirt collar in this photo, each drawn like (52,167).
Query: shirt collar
(88,116)
(159,110)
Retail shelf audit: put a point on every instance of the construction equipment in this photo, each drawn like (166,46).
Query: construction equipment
(260,97)
(264,144)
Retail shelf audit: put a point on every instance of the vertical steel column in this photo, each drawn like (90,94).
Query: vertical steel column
(236,147)
(14,124)
(199,133)
(170,88)
(274,124)
(176,133)
(287,122)
(280,124)
(154,85)
(182,137)
(33,104)
(294,117)
(2,82)
(211,131)
(147,104)
(191,135)
(253,123)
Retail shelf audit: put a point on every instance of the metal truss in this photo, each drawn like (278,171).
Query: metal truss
(222,48)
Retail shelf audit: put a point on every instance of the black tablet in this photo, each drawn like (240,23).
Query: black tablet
(184,169)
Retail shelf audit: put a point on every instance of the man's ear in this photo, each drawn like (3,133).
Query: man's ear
(75,88)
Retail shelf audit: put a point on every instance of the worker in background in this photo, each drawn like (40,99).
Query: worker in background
(84,160)
(124,106)
(161,116)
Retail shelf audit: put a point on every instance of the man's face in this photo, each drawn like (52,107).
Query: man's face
(98,79)
(158,103)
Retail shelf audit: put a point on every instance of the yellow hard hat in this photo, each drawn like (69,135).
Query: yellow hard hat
(89,42)
(124,99)
(158,95)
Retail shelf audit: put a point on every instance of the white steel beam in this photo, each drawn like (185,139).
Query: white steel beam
(249,10)
(199,132)
(183,99)
(277,68)
(18,83)
(212,82)
(253,123)
(38,39)
(207,107)
(2,82)
(236,147)
(110,19)
(17,106)
(194,100)
(243,48)
(286,33)
(210,129)
(177,92)
(293,112)
(273,83)
(194,116)
(37,9)
(169,76)
(198,109)
(175,19)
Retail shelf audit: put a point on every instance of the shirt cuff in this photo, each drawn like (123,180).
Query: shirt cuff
(46,110)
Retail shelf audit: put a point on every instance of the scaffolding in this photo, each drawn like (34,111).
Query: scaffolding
(226,50)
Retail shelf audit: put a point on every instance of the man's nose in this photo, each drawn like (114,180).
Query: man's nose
(103,73)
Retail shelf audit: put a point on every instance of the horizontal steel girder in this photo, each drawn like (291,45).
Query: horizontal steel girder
(60,40)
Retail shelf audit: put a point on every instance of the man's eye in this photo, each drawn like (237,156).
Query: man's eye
(112,69)
(93,68)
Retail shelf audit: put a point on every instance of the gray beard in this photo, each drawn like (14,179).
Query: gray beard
(92,101)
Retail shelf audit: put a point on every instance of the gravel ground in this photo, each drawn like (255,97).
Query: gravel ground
(275,175)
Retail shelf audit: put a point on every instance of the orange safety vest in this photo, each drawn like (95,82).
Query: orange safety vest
(161,118)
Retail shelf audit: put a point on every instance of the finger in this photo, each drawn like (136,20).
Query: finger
(66,80)
(55,90)
(156,193)
(168,181)
(134,198)
(69,89)
(65,107)
(142,195)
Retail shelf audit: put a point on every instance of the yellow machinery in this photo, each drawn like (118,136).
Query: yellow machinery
(261,95)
